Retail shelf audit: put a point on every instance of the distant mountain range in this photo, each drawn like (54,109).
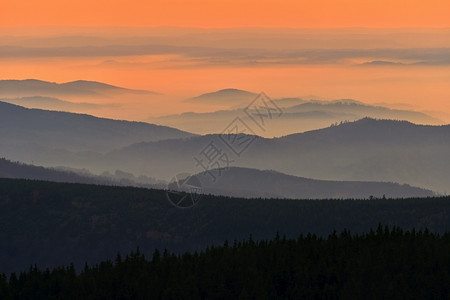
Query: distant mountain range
(297,115)
(364,150)
(246,182)
(357,109)
(34,87)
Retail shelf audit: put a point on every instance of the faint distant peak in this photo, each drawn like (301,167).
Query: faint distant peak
(91,84)
(35,87)
(225,96)
(26,82)
(231,90)
(228,91)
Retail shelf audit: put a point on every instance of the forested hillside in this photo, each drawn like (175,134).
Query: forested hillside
(52,224)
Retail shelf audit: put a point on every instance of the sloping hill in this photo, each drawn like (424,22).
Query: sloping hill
(22,127)
(40,102)
(15,170)
(245,182)
(369,130)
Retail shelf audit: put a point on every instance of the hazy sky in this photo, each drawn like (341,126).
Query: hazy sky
(373,51)
(226,13)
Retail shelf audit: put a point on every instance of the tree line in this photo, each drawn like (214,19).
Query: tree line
(384,263)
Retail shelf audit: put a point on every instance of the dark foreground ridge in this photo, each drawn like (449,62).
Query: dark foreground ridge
(382,264)
(54,224)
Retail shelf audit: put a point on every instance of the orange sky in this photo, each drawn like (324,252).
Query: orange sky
(226,13)
(426,87)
